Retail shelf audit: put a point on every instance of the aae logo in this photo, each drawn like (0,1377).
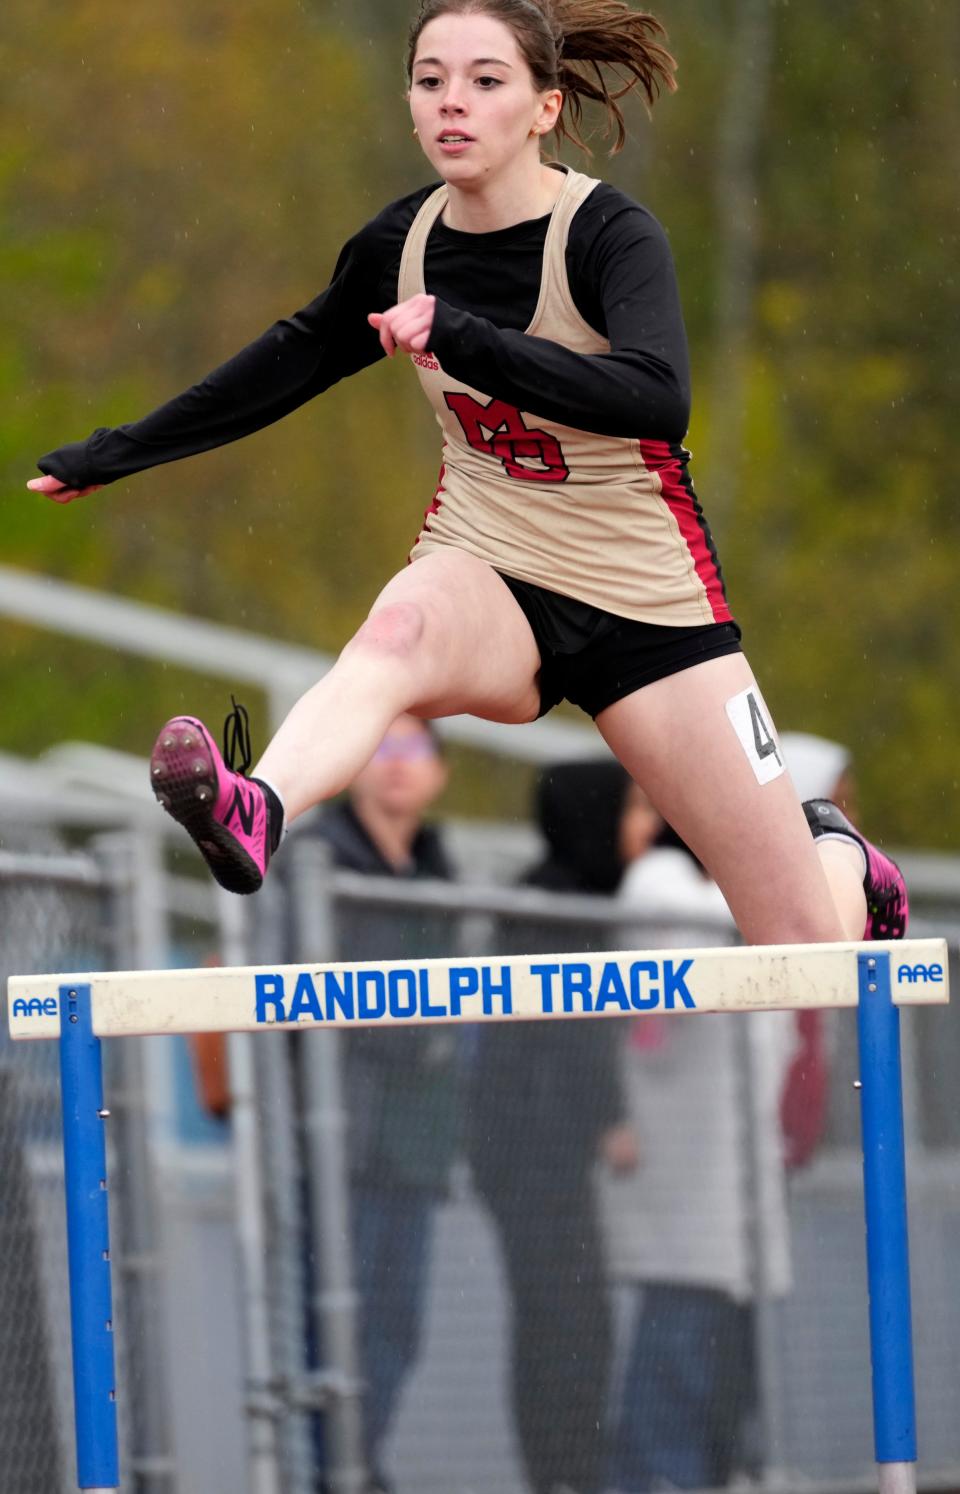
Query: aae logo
(35,1007)
(913,973)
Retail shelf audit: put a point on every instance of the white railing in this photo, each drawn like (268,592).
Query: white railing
(281,670)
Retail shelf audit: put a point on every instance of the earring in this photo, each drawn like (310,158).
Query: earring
(414,134)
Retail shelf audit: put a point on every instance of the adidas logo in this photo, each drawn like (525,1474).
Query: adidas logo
(426,360)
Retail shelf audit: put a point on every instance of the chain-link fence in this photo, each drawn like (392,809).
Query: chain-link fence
(74,911)
(514,1370)
(466,1258)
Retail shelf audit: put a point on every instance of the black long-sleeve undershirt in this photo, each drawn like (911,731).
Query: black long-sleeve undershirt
(622,281)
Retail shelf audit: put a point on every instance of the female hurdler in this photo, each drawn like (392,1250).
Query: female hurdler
(564,553)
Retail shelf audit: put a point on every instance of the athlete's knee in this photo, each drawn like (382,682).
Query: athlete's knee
(395,630)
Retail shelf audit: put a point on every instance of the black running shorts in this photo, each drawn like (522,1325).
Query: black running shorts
(593,658)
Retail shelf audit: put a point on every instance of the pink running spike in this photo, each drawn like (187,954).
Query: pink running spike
(888,907)
(224,812)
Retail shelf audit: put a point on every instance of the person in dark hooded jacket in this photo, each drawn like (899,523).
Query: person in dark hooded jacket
(401,1087)
(545,1102)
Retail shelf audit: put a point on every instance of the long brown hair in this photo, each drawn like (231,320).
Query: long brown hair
(573,45)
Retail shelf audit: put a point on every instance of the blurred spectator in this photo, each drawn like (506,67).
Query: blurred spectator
(400,1085)
(679,1229)
(821,769)
(546,1102)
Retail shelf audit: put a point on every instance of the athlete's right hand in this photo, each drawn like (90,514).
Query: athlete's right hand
(52,487)
(405,327)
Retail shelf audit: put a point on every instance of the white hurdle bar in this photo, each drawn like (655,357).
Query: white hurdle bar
(878,978)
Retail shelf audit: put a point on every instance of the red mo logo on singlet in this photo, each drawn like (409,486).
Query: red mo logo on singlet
(498,430)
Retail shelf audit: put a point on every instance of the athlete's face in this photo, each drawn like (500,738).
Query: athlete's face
(473,100)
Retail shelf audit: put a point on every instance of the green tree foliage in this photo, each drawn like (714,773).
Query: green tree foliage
(173,179)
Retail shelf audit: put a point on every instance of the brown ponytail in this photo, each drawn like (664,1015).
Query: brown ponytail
(572,45)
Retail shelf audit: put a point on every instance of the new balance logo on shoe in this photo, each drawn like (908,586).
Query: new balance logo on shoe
(244,808)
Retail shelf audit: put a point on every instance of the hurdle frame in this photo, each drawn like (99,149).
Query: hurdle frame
(885,1208)
(873,990)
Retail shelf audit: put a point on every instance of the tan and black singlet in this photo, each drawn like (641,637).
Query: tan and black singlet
(559,376)
(608,520)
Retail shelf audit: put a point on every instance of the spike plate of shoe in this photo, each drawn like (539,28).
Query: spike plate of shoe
(220,810)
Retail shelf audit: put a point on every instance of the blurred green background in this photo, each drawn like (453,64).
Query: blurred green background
(176,177)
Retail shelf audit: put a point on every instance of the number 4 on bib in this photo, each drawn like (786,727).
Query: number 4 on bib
(748,717)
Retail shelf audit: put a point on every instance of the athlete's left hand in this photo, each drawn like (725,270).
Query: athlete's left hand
(406,326)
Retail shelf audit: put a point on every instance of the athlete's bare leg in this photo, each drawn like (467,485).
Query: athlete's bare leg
(843,868)
(675,739)
(444,636)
